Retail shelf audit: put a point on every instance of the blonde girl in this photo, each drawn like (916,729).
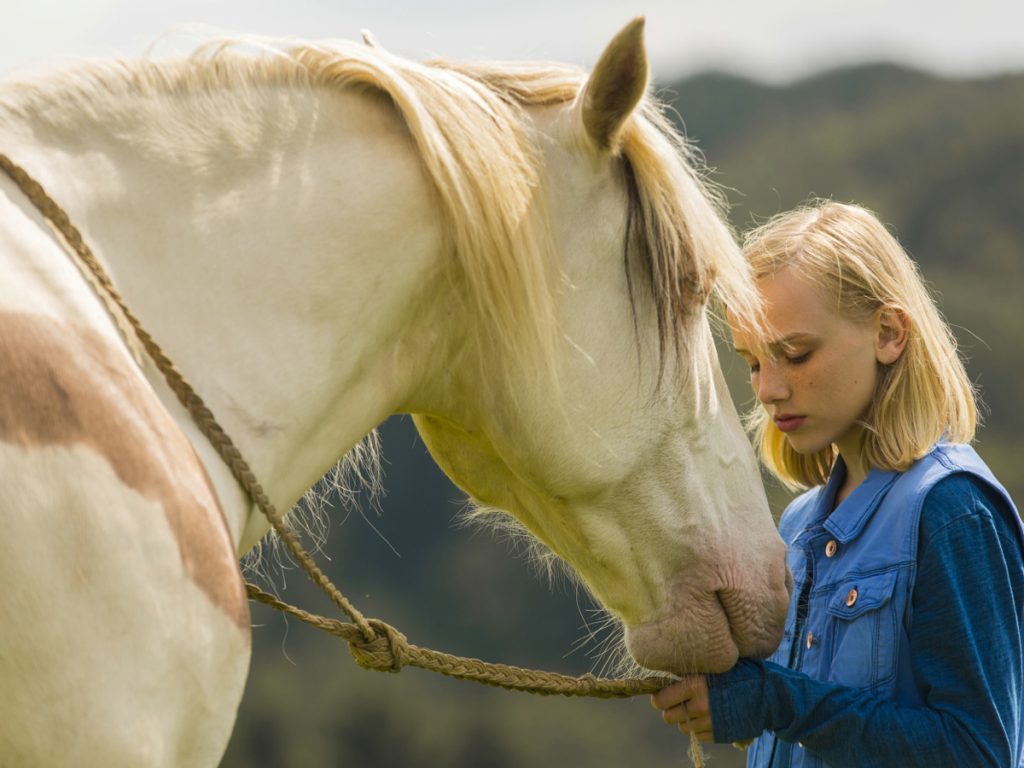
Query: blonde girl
(903,643)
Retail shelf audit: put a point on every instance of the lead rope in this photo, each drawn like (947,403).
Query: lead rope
(373,643)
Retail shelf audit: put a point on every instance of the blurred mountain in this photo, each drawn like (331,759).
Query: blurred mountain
(941,161)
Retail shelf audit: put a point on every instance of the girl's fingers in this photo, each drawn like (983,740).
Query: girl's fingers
(692,721)
(671,695)
(685,704)
(688,688)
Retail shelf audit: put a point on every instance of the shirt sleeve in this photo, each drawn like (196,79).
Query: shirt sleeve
(966,651)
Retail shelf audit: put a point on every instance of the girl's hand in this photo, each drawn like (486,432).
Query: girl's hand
(685,703)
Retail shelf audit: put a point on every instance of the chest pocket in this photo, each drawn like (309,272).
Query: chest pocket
(863,630)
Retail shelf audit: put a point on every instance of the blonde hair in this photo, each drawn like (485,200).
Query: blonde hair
(921,397)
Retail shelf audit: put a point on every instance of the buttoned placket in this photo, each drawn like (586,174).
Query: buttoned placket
(803,638)
(820,547)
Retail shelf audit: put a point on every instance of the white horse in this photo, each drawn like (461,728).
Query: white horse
(320,237)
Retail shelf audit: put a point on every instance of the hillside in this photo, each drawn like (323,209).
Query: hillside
(941,160)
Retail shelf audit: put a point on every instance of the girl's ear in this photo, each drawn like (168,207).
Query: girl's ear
(893,328)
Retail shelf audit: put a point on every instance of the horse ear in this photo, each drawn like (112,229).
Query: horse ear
(615,86)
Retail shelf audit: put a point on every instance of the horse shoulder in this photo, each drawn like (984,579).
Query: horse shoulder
(123,602)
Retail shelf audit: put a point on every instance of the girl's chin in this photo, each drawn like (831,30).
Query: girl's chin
(807,445)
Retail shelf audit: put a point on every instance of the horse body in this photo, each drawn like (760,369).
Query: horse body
(291,246)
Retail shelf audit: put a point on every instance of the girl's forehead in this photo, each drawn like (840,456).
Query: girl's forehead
(794,303)
(788,283)
(795,311)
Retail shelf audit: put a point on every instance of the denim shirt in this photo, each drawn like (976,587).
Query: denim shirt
(848,684)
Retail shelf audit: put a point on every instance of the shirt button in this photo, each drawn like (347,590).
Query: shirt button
(851,597)
(810,639)
(830,548)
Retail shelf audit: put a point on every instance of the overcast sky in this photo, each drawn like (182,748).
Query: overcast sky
(775,40)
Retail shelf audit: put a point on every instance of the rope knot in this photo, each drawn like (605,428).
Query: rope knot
(388,651)
(588,683)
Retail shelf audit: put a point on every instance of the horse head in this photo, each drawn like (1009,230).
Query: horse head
(619,447)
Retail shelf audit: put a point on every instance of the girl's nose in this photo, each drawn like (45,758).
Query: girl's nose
(771,384)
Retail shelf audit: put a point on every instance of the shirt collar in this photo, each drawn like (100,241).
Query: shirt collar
(849,518)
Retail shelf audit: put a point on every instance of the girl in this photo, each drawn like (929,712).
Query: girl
(903,643)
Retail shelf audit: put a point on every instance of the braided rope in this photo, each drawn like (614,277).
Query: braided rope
(374,644)
(389,651)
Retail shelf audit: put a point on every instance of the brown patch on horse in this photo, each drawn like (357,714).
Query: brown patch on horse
(66,385)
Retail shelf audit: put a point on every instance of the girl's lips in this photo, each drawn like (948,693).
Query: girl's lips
(788,423)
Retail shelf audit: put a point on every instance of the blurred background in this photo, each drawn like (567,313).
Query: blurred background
(914,109)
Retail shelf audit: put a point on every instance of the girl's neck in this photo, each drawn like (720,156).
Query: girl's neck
(848,486)
(856,470)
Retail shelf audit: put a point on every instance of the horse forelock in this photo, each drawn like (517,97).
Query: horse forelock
(678,228)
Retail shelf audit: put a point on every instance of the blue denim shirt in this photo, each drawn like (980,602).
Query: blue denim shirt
(903,644)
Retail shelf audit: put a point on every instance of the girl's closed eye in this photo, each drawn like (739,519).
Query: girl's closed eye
(751,362)
(791,359)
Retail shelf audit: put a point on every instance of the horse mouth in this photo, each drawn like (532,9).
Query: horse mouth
(709,634)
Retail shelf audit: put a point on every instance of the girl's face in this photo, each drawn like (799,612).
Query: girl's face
(817,373)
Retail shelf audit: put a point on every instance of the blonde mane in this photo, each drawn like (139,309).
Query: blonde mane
(469,124)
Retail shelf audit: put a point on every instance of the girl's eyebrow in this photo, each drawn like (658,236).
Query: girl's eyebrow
(780,345)
(791,338)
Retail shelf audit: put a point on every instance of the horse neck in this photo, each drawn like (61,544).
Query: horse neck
(282,245)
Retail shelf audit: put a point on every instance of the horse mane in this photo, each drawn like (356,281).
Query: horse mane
(468,122)
(676,221)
